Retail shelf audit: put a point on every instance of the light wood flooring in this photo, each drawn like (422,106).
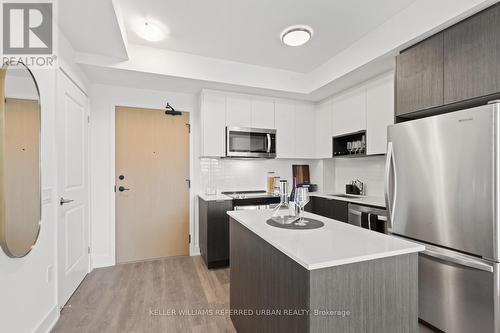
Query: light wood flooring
(136,297)
(124,298)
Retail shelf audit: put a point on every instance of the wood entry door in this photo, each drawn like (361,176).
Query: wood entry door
(152,189)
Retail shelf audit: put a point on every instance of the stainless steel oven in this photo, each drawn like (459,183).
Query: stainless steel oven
(246,142)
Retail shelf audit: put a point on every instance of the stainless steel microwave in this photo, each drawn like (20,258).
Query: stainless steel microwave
(246,142)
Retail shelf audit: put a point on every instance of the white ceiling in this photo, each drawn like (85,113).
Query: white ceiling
(92,26)
(150,81)
(248,31)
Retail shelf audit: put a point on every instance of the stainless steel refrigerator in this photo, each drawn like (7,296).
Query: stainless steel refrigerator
(442,189)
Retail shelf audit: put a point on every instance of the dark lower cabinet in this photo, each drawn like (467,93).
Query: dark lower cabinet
(331,208)
(214,232)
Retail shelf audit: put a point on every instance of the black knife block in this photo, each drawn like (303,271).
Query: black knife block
(352,189)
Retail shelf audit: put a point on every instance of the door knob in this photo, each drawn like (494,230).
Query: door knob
(64,201)
(121,189)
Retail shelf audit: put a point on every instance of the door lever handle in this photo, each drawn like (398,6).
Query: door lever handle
(121,189)
(64,201)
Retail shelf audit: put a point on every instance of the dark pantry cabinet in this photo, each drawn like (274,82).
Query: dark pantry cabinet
(214,232)
(454,69)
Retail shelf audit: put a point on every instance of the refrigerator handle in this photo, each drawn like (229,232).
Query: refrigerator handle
(390,201)
(457,259)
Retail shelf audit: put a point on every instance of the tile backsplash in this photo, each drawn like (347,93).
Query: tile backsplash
(331,175)
(239,175)
(341,171)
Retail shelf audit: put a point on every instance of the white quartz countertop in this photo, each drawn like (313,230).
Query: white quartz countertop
(214,197)
(356,199)
(335,244)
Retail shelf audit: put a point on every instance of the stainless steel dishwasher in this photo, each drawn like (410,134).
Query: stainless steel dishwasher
(368,217)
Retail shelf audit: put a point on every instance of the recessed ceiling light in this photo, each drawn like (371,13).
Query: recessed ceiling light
(150,30)
(296,35)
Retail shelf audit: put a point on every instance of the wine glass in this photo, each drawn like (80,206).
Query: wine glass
(358,146)
(349,147)
(301,200)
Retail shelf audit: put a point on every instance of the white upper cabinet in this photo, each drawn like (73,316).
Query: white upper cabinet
(349,112)
(238,111)
(304,131)
(284,119)
(213,124)
(379,113)
(324,131)
(262,115)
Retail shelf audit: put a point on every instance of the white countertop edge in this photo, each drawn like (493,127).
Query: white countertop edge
(354,260)
(326,264)
(214,197)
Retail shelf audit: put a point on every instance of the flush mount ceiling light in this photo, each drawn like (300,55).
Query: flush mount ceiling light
(296,35)
(150,30)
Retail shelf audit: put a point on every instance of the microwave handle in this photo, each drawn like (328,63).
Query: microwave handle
(268,142)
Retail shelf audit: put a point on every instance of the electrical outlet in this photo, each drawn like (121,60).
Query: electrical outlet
(50,273)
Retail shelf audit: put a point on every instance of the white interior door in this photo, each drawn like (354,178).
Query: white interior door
(73,221)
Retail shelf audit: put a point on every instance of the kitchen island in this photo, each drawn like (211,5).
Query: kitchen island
(338,278)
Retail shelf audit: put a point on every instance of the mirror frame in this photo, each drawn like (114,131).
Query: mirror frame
(3,236)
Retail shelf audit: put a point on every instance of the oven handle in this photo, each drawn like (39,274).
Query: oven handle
(461,260)
(358,213)
(268,142)
(354,212)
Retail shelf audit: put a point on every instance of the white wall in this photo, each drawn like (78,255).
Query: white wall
(240,175)
(104,99)
(28,302)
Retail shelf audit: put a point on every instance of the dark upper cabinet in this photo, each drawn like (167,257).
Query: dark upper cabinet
(455,69)
(472,57)
(419,76)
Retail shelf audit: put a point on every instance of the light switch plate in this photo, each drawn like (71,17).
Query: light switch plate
(46,196)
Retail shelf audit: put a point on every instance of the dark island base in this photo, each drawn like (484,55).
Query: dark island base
(272,293)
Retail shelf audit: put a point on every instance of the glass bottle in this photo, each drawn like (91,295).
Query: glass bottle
(284,213)
(270,182)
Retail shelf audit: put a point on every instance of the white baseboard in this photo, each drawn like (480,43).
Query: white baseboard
(195,251)
(102,261)
(47,323)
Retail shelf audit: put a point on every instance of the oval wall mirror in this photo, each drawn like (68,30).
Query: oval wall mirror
(20,188)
